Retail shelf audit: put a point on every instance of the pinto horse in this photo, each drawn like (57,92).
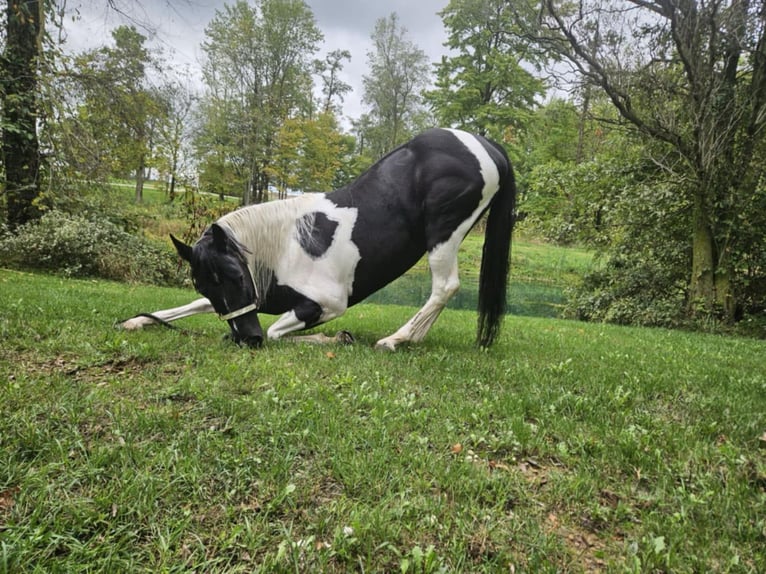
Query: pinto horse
(311,257)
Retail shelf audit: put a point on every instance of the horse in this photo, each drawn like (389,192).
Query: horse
(308,258)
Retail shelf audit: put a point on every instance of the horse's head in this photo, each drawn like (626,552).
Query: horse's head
(220,273)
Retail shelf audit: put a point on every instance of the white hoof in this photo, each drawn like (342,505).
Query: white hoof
(385,345)
(135,323)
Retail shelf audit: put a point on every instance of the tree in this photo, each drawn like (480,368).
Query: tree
(485,87)
(392,89)
(690,77)
(119,111)
(332,86)
(20,146)
(258,71)
(308,154)
(179,100)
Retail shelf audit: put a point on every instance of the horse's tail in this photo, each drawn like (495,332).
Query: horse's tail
(495,259)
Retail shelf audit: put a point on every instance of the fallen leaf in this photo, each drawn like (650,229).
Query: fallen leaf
(330,355)
(7,500)
(553,520)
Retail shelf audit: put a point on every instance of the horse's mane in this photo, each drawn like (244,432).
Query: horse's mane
(264,230)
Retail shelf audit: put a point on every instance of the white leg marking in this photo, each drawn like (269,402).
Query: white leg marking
(341,337)
(193,308)
(289,323)
(286,323)
(444,284)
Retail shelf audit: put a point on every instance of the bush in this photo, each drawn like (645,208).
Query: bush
(80,247)
(628,295)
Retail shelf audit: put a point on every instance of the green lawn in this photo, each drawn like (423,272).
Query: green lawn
(567,447)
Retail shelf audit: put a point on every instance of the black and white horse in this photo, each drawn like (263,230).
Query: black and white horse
(311,257)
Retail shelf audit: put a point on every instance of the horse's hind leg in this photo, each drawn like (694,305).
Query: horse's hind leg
(444,284)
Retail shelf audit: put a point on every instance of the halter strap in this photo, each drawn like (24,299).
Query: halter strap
(238,312)
(247,308)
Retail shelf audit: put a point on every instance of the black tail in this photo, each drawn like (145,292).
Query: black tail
(495,259)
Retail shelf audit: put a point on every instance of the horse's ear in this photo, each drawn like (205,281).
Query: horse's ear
(184,251)
(220,238)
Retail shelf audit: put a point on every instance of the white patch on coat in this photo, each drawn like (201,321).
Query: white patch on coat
(270,234)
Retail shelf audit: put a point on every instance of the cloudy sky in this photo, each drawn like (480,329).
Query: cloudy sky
(178,27)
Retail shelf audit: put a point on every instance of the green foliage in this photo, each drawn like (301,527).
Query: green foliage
(114,116)
(485,87)
(569,203)
(258,74)
(690,80)
(19,80)
(398,73)
(308,154)
(632,289)
(80,247)
(567,447)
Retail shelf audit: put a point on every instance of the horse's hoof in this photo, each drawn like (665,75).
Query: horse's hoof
(344,338)
(385,346)
(133,324)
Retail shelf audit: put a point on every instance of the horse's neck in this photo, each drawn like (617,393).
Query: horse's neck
(264,230)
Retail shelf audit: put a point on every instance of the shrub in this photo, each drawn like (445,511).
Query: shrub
(80,247)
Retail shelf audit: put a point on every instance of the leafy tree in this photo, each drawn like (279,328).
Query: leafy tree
(485,86)
(258,74)
(222,164)
(119,115)
(392,89)
(690,78)
(179,100)
(308,154)
(332,86)
(19,84)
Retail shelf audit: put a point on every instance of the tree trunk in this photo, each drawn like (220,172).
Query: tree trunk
(140,180)
(710,291)
(21,150)
(702,286)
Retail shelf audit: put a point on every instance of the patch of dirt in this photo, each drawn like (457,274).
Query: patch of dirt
(585,547)
(100,374)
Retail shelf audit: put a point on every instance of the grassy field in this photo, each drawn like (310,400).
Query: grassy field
(567,447)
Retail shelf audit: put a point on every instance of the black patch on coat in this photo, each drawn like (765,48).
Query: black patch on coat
(316,233)
(282,298)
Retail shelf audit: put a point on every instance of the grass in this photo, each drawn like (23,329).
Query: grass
(567,447)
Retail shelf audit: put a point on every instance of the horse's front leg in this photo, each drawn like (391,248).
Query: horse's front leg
(167,315)
(304,316)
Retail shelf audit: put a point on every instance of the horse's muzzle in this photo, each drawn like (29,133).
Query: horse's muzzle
(252,342)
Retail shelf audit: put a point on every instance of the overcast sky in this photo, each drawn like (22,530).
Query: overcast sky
(178,26)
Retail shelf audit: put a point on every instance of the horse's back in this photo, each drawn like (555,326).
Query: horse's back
(414,199)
